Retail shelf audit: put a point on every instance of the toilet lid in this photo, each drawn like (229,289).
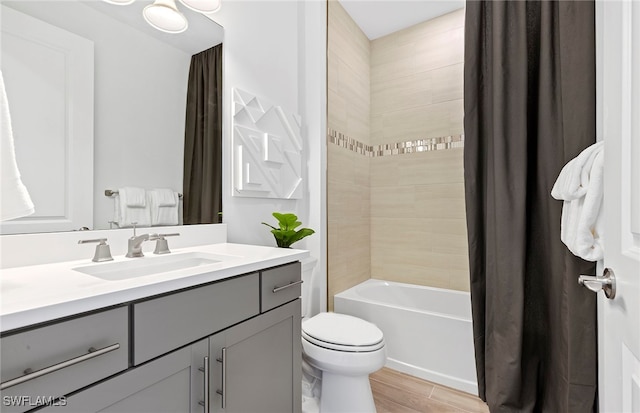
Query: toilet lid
(342,332)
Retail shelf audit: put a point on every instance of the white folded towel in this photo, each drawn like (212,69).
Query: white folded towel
(580,186)
(164,205)
(131,206)
(15,200)
(164,197)
(133,197)
(573,181)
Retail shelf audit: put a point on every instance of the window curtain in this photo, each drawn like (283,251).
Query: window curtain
(202,200)
(529,104)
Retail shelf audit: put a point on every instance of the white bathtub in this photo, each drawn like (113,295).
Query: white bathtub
(427,330)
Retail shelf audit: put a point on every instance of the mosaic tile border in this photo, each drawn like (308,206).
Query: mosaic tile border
(397,148)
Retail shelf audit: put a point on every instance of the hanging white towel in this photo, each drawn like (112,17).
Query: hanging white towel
(580,186)
(573,181)
(164,197)
(133,197)
(164,207)
(131,206)
(15,200)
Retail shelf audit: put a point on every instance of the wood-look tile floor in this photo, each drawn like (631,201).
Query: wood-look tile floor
(395,392)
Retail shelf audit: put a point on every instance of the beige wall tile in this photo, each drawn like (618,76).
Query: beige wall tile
(337,116)
(400,93)
(416,81)
(447,83)
(349,257)
(333,60)
(384,52)
(385,171)
(422,31)
(392,201)
(402,66)
(422,168)
(440,201)
(460,280)
(400,217)
(406,124)
(417,232)
(418,222)
(441,50)
(348,198)
(376,129)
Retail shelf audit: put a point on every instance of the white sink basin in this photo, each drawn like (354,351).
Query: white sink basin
(150,265)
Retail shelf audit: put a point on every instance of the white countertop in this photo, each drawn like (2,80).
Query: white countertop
(39,293)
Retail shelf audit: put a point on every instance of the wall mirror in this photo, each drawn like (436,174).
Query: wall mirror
(104,94)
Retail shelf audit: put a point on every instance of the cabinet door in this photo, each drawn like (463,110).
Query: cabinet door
(256,365)
(172,383)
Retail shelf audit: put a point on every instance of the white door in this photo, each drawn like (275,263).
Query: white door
(48,73)
(618,113)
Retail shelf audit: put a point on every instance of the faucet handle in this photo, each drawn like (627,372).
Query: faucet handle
(103,251)
(162,247)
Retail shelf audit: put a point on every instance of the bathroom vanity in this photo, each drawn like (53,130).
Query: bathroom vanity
(216,336)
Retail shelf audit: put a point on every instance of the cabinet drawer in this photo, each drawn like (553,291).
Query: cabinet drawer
(280,285)
(162,385)
(73,354)
(166,323)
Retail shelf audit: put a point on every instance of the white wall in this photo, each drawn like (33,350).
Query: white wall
(277,49)
(260,57)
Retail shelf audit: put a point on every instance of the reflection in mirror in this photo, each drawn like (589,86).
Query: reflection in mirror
(107,112)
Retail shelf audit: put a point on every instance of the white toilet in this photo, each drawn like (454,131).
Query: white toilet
(339,352)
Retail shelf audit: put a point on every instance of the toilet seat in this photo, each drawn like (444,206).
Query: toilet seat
(341,332)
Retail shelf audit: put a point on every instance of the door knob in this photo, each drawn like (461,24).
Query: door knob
(606,282)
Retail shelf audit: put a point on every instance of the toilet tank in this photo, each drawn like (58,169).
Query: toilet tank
(310,291)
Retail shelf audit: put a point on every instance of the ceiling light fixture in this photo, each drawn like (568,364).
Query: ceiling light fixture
(165,16)
(203,6)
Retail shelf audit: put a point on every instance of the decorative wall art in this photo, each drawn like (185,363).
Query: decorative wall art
(267,149)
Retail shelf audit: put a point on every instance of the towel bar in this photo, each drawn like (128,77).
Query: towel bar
(111,192)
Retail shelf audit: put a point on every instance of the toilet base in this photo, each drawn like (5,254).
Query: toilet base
(346,394)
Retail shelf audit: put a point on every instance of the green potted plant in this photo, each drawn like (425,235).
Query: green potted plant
(286,234)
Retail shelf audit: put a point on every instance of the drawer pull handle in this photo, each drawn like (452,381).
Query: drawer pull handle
(223,392)
(277,289)
(38,373)
(205,370)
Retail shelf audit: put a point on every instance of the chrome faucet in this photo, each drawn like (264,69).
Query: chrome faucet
(135,246)
(134,249)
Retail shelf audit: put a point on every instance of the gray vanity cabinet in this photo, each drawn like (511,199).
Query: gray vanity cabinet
(170,384)
(256,365)
(229,346)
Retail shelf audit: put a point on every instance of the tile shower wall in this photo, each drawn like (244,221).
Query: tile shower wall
(418,225)
(348,189)
(395,177)
(416,81)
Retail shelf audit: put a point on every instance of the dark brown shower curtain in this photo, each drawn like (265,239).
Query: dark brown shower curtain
(202,200)
(529,105)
